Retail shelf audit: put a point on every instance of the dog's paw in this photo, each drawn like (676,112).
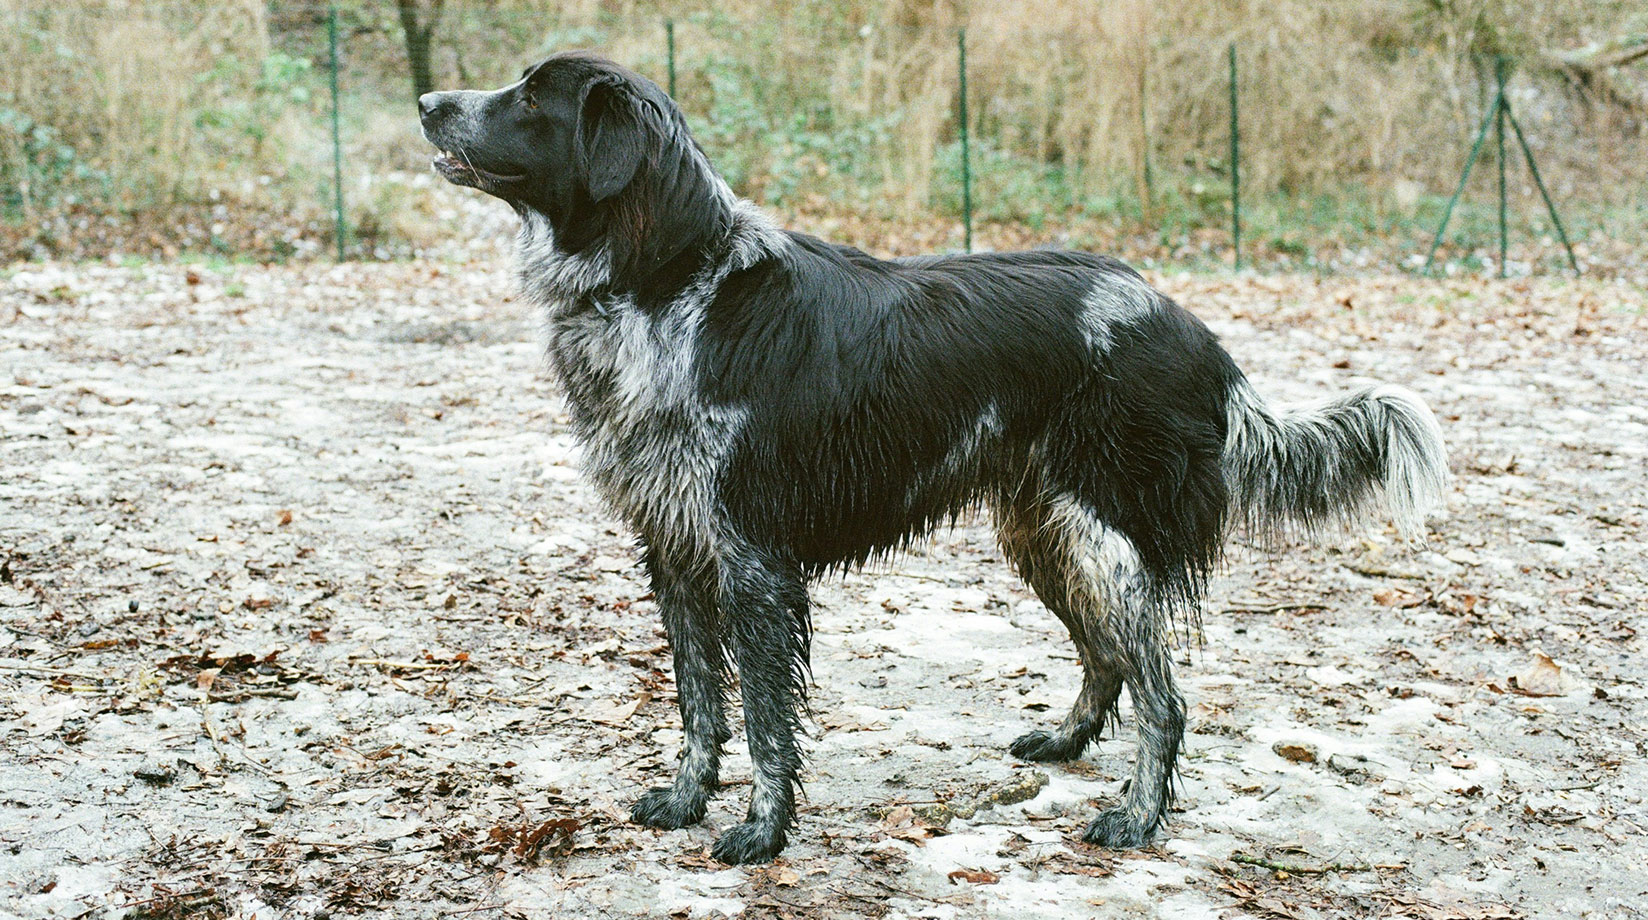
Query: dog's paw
(1044,747)
(749,842)
(1118,829)
(664,807)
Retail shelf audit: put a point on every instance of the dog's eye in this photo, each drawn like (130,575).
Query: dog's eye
(530,103)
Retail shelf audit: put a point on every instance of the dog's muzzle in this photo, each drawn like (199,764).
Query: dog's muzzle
(437,113)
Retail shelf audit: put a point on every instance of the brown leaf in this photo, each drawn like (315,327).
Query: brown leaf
(901,823)
(916,834)
(613,712)
(1396,597)
(285,517)
(554,835)
(899,814)
(1543,677)
(976,876)
(841,723)
(207,677)
(783,875)
(1298,753)
(530,841)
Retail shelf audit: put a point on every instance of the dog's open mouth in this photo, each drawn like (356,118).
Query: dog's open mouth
(461,170)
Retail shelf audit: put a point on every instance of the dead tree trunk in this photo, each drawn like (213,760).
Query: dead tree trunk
(419,37)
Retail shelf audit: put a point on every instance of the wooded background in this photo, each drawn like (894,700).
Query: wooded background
(154,127)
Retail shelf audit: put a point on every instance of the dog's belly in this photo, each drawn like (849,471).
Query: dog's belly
(838,494)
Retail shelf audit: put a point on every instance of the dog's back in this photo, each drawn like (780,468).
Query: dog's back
(885,397)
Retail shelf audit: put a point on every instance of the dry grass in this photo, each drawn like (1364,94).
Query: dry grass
(140,98)
(1117,108)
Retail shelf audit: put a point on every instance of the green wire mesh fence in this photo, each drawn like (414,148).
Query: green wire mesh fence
(894,119)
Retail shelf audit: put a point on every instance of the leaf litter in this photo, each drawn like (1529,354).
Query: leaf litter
(304,611)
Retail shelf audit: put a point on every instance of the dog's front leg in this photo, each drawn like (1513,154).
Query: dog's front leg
(687,600)
(765,606)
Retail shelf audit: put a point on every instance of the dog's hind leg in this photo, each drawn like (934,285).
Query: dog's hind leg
(1094,706)
(1133,632)
(687,600)
(1160,713)
(1049,563)
(1096,575)
(764,602)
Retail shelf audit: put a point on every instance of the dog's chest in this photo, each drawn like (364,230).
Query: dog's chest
(653,448)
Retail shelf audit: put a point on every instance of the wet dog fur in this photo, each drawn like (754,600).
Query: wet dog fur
(762,407)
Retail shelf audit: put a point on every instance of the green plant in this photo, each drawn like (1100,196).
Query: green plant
(39,170)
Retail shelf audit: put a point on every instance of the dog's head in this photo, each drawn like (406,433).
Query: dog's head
(599,150)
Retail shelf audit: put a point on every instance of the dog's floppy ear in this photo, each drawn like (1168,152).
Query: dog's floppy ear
(611,141)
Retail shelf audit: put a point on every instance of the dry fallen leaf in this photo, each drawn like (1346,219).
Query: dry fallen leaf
(976,876)
(1544,677)
(529,841)
(782,875)
(1298,753)
(1396,597)
(901,824)
(612,712)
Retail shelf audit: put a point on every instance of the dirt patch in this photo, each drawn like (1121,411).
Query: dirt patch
(304,611)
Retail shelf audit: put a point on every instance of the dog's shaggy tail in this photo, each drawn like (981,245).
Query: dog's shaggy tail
(1333,464)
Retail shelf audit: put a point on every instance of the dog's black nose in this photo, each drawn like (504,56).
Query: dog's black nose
(428,103)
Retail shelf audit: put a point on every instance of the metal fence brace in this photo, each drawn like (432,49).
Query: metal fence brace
(1500,112)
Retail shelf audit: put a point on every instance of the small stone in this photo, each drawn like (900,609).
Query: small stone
(1463,556)
(1026,787)
(12,597)
(155,774)
(1354,767)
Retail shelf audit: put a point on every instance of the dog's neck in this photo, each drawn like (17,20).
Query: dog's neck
(645,242)
(562,282)
(554,279)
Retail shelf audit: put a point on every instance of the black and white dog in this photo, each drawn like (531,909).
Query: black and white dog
(763,407)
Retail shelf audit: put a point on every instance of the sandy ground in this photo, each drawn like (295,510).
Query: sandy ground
(305,612)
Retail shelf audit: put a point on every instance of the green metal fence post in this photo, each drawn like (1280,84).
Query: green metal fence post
(669,38)
(1499,138)
(966,154)
(1476,149)
(1144,143)
(1235,165)
(1539,182)
(337,145)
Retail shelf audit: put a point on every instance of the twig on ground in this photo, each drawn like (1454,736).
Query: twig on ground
(1250,860)
(39,669)
(1274,608)
(1373,571)
(409,665)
